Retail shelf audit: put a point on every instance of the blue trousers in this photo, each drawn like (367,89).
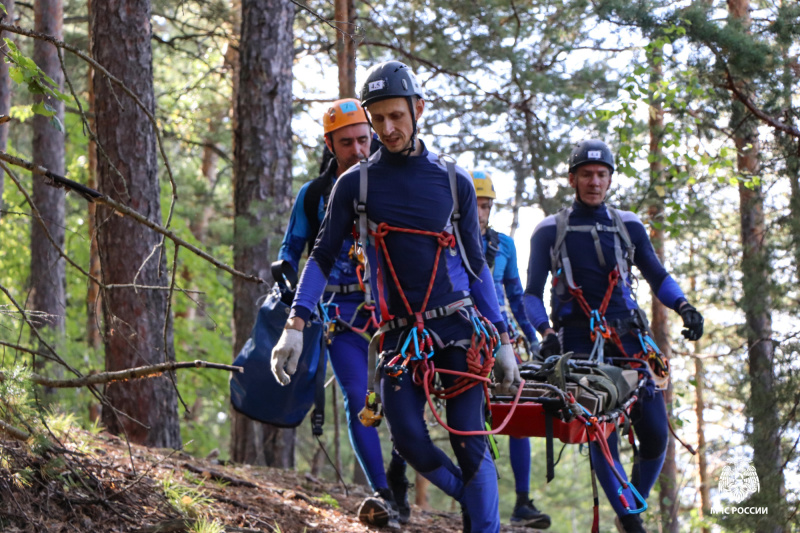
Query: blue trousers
(519,451)
(473,483)
(348,354)
(649,419)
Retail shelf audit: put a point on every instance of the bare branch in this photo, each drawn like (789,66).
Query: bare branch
(769,120)
(95,196)
(125,375)
(16,433)
(99,68)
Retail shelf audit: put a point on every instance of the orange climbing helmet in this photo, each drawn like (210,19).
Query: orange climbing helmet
(343,113)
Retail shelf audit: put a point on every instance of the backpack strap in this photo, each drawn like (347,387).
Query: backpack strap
(559,259)
(492,247)
(456,214)
(318,415)
(558,254)
(363,224)
(316,191)
(622,233)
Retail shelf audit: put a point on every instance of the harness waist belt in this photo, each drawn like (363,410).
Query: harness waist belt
(400,322)
(343,289)
(616,323)
(438,312)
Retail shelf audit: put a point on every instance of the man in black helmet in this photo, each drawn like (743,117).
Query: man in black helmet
(418,222)
(589,249)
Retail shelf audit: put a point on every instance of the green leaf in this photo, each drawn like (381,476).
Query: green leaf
(41,108)
(16,75)
(57,124)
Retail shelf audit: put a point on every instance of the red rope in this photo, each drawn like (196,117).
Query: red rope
(445,240)
(601,329)
(423,371)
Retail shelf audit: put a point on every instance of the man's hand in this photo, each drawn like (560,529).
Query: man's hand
(286,355)
(506,371)
(692,322)
(550,346)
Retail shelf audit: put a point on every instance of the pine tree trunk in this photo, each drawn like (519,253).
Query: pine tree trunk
(345,47)
(93,296)
(761,409)
(702,462)
(659,322)
(262,191)
(5,94)
(138,330)
(47,266)
(421,485)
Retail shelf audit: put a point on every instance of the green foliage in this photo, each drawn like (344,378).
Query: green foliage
(24,71)
(327,499)
(188,501)
(207,525)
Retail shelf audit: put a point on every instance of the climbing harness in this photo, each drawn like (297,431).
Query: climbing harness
(600,330)
(417,343)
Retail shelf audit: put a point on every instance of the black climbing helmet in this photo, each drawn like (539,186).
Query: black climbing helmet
(391,79)
(591,151)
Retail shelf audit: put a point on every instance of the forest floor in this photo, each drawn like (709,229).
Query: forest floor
(99,483)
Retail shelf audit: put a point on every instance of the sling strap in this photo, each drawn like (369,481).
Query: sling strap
(559,259)
(492,247)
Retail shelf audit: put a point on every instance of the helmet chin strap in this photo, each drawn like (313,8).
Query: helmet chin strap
(410,150)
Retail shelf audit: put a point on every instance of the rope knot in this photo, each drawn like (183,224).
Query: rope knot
(447,240)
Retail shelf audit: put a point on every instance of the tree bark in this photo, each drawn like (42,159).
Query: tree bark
(137,327)
(262,190)
(345,47)
(48,291)
(757,306)
(5,96)
(93,296)
(702,462)
(421,485)
(659,322)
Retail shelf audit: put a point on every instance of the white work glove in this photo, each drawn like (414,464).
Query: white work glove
(506,371)
(286,354)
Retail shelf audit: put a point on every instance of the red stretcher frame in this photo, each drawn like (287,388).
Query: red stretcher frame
(528,421)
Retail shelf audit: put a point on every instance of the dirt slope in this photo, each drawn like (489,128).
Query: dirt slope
(97,483)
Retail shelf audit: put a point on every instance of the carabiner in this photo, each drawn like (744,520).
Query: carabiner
(636,495)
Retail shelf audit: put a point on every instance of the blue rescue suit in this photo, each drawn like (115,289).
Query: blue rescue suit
(648,415)
(507,284)
(414,192)
(348,349)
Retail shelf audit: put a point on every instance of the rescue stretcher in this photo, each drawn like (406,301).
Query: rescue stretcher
(548,411)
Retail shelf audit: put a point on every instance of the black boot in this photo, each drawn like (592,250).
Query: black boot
(398,483)
(526,514)
(379,510)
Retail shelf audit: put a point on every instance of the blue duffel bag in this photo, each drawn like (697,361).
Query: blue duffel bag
(256,393)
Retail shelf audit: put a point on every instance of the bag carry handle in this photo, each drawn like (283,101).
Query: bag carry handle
(284,275)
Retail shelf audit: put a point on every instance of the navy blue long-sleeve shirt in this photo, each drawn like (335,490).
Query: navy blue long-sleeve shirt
(408,192)
(587,272)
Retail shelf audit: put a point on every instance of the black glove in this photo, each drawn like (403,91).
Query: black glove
(692,322)
(550,346)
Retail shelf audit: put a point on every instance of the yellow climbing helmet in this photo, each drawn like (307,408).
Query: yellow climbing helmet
(484,188)
(343,113)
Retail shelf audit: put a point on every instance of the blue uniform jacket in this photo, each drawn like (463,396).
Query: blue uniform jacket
(586,269)
(506,276)
(299,234)
(408,192)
